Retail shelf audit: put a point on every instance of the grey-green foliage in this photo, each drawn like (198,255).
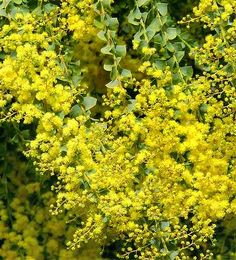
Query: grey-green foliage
(155,28)
(149,25)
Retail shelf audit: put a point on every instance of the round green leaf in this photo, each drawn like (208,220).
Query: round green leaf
(89,102)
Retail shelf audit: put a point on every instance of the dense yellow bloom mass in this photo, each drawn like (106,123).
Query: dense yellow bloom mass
(27,230)
(154,169)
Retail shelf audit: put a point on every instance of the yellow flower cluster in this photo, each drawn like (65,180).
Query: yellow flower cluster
(26,229)
(222,9)
(30,76)
(80,18)
(155,172)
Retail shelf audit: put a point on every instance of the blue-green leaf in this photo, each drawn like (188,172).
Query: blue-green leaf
(170,47)
(131,105)
(143,2)
(126,73)
(171,33)
(165,224)
(101,35)
(107,67)
(76,111)
(187,71)
(173,255)
(5,3)
(155,25)
(132,17)
(162,8)
(203,108)
(3,13)
(113,83)
(179,55)
(18,2)
(120,50)
(106,50)
(89,102)
(112,23)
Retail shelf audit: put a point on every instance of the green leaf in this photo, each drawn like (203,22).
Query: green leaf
(101,35)
(49,7)
(158,39)
(155,25)
(164,19)
(114,73)
(165,224)
(131,105)
(63,150)
(179,55)
(76,79)
(177,114)
(132,17)
(137,36)
(3,13)
(113,83)
(5,3)
(126,73)
(120,50)
(153,28)
(84,184)
(162,8)
(173,255)
(76,111)
(187,71)
(143,2)
(61,115)
(106,50)
(26,134)
(150,34)
(51,47)
(106,3)
(171,33)
(37,11)
(99,24)
(137,14)
(107,67)
(178,46)
(89,102)
(112,23)
(143,43)
(144,16)
(106,219)
(171,62)
(170,47)
(18,2)
(160,64)
(2,56)
(203,108)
